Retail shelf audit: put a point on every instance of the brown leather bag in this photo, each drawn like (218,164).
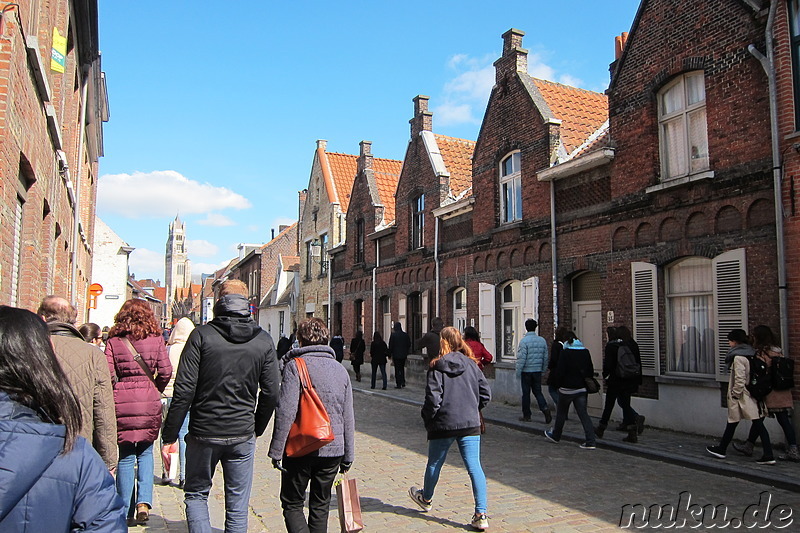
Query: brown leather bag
(311,429)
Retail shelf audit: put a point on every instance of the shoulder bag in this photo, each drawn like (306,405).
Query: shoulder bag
(138,358)
(311,429)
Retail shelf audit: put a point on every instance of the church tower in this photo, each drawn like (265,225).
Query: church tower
(178,270)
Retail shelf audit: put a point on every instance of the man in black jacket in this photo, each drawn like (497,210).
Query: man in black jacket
(222,368)
(399,347)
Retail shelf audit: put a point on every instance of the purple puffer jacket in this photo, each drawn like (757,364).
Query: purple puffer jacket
(137,401)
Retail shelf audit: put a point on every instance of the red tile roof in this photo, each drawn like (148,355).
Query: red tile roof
(344,168)
(387,173)
(289,262)
(457,155)
(581,112)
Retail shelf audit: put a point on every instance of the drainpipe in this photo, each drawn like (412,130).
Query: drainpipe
(768,64)
(436,260)
(553,263)
(375,283)
(76,219)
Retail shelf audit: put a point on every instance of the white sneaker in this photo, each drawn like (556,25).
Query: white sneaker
(480,521)
(416,494)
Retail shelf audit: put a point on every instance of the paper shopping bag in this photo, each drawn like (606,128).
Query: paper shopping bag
(174,465)
(349,505)
(168,453)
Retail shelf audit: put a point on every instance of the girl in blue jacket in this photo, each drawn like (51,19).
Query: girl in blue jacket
(50,478)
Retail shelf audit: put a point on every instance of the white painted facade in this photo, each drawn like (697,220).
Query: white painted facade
(109,269)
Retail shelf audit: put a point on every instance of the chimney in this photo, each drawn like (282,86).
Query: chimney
(619,44)
(515,58)
(322,144)
(365,156)
(282,228)
(273,233)
(423,119)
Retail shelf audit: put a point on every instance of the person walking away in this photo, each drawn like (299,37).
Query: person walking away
(555,351)
(778,402)
(531,362)
(430,341)
(479,351)
(378,351)
(87,371)
(284,345)
(51,479)
(741,405)
(177,341)
(621,383)
(224,421)
(357,349)
(574,366)
(92,334)
(138,384)
(455,393)
(399,348)
(337,343)
(332,384)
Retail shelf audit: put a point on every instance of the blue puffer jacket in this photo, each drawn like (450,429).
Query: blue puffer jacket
(532,354)
(43,490)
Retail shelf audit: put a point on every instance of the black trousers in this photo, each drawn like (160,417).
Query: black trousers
(400,371)
(320,472)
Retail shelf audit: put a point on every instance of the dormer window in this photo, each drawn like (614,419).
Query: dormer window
(682,126)
(510,189)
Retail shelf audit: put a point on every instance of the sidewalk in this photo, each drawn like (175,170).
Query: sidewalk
(673,447)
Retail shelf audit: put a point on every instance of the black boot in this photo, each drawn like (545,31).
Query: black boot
(632,434)
(600,429)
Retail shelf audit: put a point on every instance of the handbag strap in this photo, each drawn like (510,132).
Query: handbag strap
(302,372)
(138,358)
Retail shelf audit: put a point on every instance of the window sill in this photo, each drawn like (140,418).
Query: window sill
(688,381)
(676,182)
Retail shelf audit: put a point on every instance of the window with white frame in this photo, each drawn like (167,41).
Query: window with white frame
(690,312)
(510,189)
(510,318)
(460,309)
(682,126)
(418,222)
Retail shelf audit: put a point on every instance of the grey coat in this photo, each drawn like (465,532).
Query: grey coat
(332,383)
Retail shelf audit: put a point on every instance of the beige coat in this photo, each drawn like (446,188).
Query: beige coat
(87,371)
(741,406)
(177,340)
(777,399)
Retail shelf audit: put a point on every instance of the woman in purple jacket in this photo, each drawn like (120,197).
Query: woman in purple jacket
(137,397)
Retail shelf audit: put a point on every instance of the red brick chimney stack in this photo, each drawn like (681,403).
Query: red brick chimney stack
(619,44)
(515,58)
(423,119)
(365,156)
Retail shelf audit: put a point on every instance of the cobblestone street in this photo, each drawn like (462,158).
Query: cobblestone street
(534,485)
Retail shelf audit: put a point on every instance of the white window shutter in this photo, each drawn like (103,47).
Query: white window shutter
(645,315)
(486,314)
(530,300)
(425,298)
(730,301)
(401,310)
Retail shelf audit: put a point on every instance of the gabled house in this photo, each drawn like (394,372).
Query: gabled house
(277,306)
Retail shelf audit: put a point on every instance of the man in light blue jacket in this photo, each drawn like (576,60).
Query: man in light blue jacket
(531,362)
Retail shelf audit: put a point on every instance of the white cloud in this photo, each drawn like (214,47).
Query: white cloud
(216,220)
(449,114)
(144,263)
(207,268)
(474,84)
(201,248)
(162,193)
(572,81)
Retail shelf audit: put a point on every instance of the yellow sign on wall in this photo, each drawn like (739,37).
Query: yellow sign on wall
(58,54)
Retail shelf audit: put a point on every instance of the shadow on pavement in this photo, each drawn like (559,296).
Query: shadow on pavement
(374,505)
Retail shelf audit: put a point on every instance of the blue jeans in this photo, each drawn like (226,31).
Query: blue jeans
(202,457)
(470,448)
(165,402)
(532,382)
(135,471)
(580,400)
(375,367)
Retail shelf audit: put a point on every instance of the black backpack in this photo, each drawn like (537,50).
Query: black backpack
(759,383)
(627,366)
(782,373)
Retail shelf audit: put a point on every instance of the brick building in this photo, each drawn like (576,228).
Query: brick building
(651,205)
(51,137)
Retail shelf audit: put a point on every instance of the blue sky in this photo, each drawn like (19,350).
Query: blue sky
(216,106)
